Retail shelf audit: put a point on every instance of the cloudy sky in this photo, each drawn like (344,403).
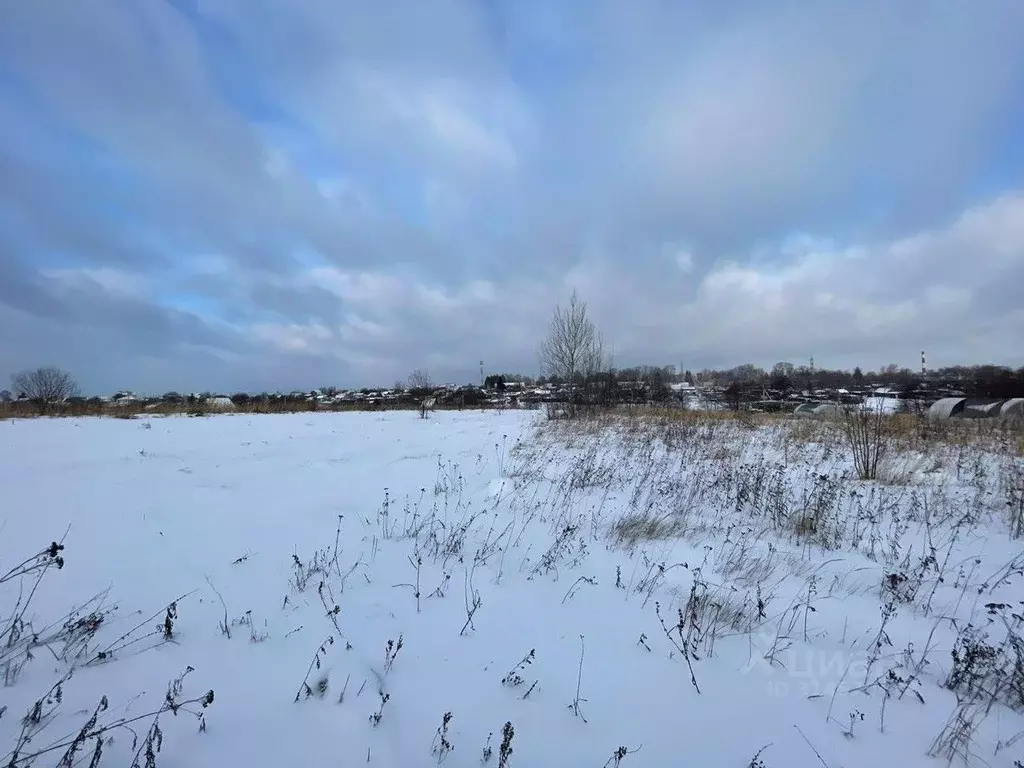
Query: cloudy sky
(250,194)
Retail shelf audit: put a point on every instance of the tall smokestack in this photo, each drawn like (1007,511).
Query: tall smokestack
(924,369)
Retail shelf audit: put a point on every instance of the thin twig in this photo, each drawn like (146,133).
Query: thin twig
(815,751)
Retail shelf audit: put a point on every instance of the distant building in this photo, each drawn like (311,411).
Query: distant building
(819,411)
(976,408)
(1013,409)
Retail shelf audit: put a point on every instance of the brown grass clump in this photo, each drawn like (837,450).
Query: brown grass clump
(662,415)
(645,526)
(808,431)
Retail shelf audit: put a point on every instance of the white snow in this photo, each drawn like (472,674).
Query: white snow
(516,515)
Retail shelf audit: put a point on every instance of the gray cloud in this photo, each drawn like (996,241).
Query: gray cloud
(254,193)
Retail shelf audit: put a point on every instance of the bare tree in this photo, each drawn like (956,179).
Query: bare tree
(45,386)
(420,379)
(574,349)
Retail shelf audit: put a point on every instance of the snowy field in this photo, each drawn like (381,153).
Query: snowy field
(380,589)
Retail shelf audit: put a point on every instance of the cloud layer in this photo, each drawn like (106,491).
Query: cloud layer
(248,194)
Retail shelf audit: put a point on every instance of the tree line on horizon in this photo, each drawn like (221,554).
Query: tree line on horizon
(50,385)
(975,380)
(575,356)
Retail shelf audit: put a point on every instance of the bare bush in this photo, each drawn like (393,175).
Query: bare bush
(868,439)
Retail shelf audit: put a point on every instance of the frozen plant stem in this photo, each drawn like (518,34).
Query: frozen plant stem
(375,718)
(304,687)
(882,638)
(812,590)
(39,561)
(331,607)
(815,751)
(391,653)
(487,751)
(514,678)
(684,651)
(505,749)
(756,761)
(225,627)
(592,581)
(619,755)
(92,730)
(575,706)
(473,602)
(334,553)
(165,629)
(442,746)
(341,697)
(417,564)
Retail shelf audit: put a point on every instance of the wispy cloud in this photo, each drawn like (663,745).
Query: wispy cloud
(255,193)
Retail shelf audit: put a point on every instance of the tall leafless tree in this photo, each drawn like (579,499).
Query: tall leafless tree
(420,379)
(45,386)
(574,349)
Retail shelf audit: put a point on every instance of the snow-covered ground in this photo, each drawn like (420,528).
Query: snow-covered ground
(697,593)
